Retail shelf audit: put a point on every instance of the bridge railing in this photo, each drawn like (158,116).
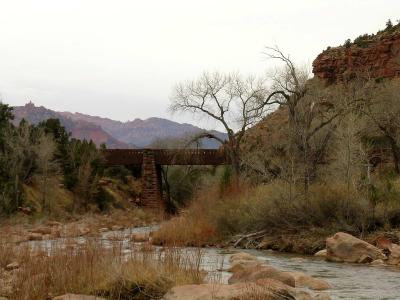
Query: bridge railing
(123,156)
(166,156)
(190,157)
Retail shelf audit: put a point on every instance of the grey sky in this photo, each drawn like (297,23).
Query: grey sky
(120,59)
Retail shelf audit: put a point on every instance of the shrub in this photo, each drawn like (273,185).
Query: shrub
(347,43)
(118,172)
(213,217)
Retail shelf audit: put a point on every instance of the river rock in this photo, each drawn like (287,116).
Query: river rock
(140,237)
(394,255)
(264,289)
(12,266)
(304,280)
(240,265)
(35,236)
(242,256)
(77,297)
(343,247)
(321,296)
(378,262)
(253,274)
(321,253)
(392,250)
(42,230)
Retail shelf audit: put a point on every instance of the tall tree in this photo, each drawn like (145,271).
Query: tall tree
(230,99)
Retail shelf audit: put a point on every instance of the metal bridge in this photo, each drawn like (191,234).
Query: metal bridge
(151,161)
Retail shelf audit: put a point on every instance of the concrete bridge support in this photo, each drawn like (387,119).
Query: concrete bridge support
(152,181)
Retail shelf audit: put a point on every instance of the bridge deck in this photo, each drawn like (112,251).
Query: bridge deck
(166,156)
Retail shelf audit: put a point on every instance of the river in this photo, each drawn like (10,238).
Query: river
(348,281)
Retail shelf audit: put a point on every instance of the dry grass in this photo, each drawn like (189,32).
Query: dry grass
(207,220)
(212,218)
(93,269)
(6,254)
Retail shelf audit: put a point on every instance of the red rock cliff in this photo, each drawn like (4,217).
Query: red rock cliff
(377,55)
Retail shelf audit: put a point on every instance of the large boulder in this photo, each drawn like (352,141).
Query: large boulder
(264,289)
(77,297)
(304,280)
(252,274)
(343,247)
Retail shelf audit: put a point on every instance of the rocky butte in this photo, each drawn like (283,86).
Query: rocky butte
(377,56)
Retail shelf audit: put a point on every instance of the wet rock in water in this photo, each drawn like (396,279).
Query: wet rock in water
(304,280)
(140,237)
(263,289)
(252,274)
(35,236)
(12,266)
(321,253)
(77,297)
(240,265)
(343,247)
(378,262)
(298,259)
(394,255)
(104,229)
(242,256)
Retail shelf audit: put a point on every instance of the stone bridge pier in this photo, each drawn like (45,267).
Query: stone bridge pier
(151,161)
(152,182)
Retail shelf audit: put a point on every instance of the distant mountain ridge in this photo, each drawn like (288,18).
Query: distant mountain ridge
(115,134)
(78,129)
(143,132)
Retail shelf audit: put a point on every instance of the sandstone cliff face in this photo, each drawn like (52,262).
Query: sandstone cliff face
(378,56)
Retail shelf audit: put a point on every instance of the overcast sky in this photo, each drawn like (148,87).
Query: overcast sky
(121,59)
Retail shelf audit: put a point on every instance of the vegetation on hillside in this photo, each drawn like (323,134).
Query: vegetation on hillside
(43,169)
(327,159)
(364,39)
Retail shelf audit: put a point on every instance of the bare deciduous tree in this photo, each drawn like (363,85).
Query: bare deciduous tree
(235,102)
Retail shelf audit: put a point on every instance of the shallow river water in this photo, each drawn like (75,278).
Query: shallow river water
(348,281)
